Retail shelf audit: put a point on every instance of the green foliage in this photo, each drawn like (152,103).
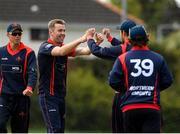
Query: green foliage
(89,102)
(170,49)
(99,67)
(153,12)
(171,113)
(171,98)
(136,10)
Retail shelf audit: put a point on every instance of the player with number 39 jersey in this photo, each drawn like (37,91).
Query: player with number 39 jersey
(144,74)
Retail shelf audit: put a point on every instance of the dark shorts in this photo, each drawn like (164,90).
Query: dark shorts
(53,110)
(142,121)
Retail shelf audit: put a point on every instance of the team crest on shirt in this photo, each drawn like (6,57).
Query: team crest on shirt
(18,59)
(48,46)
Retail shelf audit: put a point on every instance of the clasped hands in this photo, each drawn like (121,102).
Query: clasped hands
(91,33)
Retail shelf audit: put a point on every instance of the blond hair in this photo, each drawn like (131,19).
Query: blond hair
(52,23)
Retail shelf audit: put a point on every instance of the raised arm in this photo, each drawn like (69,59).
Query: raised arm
(85,50)
(110,53)
(110,38)
(102,52)
(82,51)
(66,49)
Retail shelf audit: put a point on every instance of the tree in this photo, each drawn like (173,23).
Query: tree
(153,12)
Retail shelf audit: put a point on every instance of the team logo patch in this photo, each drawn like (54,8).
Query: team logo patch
(52,110)
(48,46)
(18,59)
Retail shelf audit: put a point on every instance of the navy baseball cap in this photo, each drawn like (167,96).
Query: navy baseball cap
(138,33)
(14,27)
(126,25)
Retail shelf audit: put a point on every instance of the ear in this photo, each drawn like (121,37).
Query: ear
(7,34)
(50,32)
(125,34)
(130,41)
(148,36)
(122,34)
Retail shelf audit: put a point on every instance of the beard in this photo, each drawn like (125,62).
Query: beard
(60,40)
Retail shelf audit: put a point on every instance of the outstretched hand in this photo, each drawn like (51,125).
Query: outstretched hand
(88,34)
(99,38)
(106,32)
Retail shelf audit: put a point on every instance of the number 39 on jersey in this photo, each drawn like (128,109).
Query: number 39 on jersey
(143,67)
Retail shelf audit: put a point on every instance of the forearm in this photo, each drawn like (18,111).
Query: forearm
(32,80)
(115,82)
(103,52)
(83,51)
(66,49)
(32,72)
(116,77)
(166,83)
(114,87)
(115,42)
(166,77)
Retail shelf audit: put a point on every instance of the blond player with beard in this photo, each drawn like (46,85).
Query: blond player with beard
(52,59)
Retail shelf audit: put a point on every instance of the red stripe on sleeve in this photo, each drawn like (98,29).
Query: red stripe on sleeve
(122,59)
(25,63)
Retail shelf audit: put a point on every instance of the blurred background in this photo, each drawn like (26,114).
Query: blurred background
(89,98)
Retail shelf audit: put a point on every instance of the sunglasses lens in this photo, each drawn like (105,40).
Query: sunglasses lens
(16,33)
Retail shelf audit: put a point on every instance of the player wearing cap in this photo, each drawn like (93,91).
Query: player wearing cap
(144,74)
(18,76)
(111,53)
(118,47)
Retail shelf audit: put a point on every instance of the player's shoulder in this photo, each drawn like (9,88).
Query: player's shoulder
(3,49)
(45,48)
(46,45)
(157,55)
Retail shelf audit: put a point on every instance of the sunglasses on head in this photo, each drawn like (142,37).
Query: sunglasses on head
(16,33)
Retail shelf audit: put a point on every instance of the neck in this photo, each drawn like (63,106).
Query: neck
(125,40)
(14,46)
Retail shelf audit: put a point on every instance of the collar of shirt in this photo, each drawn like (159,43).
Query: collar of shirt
(54,43)
(140,48)
(18,49)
